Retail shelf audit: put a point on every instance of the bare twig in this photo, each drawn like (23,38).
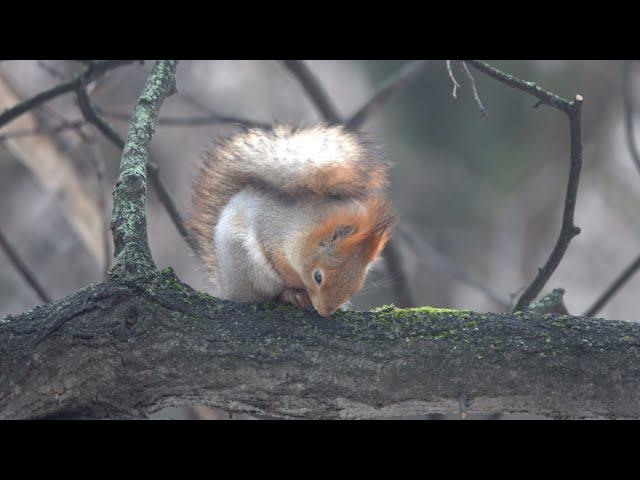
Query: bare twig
(401,289)
(43,130)
(93,71)
(545,97)
(617,284)
(314,90)
(21,267)
(400,80)
(456,85)
(203,120)
(51,70)
(476,96)
(627,104)
(573,110)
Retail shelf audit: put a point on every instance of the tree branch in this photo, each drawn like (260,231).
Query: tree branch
(627,104)
(93,71)
(129,223)
(617,284)
(210,119)
(573,110)
(43,130)
(448,265)
(280,361)
(314,90)
(92,116)
(397,82)
(22,268)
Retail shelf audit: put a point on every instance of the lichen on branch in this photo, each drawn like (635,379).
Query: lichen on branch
(129,224)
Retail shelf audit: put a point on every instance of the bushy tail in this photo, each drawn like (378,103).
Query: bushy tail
(324,161)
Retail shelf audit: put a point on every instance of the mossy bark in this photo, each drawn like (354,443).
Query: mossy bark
(124,349)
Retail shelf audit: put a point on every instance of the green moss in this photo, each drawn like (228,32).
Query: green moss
(387,312)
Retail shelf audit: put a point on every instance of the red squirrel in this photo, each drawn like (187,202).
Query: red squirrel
(292,215)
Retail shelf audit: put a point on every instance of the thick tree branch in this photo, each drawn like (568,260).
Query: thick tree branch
(573,110)
(276,360)
(129,223)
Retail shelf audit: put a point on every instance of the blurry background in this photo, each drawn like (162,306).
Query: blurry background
(485,194)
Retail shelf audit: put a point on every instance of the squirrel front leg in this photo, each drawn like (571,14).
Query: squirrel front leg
(297,297)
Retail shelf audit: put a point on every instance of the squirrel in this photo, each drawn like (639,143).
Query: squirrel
(290,215)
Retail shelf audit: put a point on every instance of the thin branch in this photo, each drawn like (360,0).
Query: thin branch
(91,116)
(573,110)
(617,284)
(204,120)
(456,85)
(100,170)
(476,95)
(43,130)
(314,90)
(627,273)
(627,103)
(93,71)
(129,222)
(401,289)
(397,82)
(168,203)
(21,267)
(51,70)
(545,97)
(448,265)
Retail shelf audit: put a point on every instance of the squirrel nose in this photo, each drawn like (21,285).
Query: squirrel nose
(323,312)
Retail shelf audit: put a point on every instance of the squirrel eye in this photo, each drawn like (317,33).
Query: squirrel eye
(317,277)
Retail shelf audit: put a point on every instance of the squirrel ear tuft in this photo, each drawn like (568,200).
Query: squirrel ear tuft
(378,238)
(339,233)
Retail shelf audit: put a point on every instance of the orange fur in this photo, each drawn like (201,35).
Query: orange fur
(324,168)
(372,226)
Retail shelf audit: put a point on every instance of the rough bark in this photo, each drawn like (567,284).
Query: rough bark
(124,349)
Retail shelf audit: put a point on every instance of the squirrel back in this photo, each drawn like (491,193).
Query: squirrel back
(337,176)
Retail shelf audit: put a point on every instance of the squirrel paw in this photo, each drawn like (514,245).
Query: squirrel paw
(297,297)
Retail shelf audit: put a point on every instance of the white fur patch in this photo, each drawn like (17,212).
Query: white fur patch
(261,264)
